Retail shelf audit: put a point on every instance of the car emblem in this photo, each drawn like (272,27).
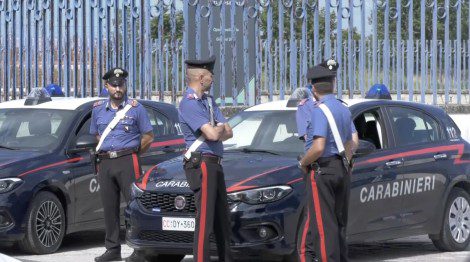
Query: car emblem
(180,202)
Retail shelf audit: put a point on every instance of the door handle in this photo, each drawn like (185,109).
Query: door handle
(440,156)
(394,163)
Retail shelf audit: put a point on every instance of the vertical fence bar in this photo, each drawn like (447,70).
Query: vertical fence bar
(434,52)
(410,51)
(386,50)
(14,9)
(362,56)
(339,47)
(233,42)
(447,52)
(22,35)
(282,79)
(222,52)
(350,18)
(458,52)
(293,50)
(174,64)
(328,28)
(268,43)
(83,51)
(398,73)
(374,42)
(303,46)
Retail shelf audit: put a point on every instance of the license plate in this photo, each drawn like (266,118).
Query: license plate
(178,224)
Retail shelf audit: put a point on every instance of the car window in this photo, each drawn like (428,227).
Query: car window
(369,127)
(162,125)
(33,128)
(85,127)
(413,126)
(274,131)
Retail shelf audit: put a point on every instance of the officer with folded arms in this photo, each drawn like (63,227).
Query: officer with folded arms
(204,128)
(123,129)
(329,140)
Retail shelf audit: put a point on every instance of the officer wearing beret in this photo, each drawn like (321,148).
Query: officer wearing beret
(204,128)
(123,129)
(326,174)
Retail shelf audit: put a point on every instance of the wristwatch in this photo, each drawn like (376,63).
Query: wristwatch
(299,164)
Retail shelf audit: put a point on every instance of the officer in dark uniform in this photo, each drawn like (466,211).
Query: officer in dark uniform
(327,175)
(204,128)
(117,152)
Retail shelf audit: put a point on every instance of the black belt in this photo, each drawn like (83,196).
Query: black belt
(209,158)
(326,160)
(116,154)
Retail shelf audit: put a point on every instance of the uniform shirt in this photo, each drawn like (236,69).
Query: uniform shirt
(127,133)
(303,119)
(193,114)
(319,124)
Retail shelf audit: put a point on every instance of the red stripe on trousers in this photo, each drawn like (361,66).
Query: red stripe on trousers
(318,215)
(304,239)
(202,222)
(135,161)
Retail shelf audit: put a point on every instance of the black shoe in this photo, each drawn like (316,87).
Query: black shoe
(136,256)
(109,255)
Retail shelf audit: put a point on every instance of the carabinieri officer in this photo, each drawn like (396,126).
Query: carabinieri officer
(328,179)
(204,128)
(123,129)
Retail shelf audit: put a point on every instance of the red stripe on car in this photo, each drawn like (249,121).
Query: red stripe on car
(238,186)
(72,160)
(143,185)
(168,143)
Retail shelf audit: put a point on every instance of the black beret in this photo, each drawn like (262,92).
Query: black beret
(116,76)
(201,63)
(323,72)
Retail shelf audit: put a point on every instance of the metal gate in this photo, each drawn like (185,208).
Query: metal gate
(419,49)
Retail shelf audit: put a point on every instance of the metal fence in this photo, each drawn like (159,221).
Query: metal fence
(72,43)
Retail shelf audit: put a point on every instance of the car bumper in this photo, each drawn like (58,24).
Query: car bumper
(144,229)
(12,214)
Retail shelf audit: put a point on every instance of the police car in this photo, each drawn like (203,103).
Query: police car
(411,177)
(48,183)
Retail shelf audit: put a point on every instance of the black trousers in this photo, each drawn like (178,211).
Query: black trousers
(323,234)
(208,184)
(115,176)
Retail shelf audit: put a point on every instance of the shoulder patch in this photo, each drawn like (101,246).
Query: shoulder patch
(98,103)
(134,103)
(190,96)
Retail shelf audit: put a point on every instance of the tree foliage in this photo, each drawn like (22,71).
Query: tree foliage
(428,20)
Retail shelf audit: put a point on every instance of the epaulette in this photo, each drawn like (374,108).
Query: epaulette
(190,96)
(134,103)
(344,103)
(302,102)
(98,103)
(316,103)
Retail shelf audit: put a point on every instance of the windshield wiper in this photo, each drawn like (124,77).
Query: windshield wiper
(7,147)
(253,150)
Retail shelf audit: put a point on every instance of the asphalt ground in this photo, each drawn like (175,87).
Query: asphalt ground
(85,246)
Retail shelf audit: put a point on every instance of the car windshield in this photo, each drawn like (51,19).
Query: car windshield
(33,129)
(272,132)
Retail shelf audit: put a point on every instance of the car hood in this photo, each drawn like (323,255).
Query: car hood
(13,162)
(242,171)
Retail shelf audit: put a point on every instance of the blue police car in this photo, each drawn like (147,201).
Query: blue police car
(48,183)
(411,176)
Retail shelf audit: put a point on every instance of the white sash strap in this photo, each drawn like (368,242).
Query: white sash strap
(119,115)
(334,128)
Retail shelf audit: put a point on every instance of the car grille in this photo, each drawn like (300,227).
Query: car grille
(166,202)
(171,237)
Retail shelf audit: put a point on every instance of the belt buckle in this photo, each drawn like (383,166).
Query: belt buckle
(113,154)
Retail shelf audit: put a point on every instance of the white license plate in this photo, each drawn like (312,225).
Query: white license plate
(178,224)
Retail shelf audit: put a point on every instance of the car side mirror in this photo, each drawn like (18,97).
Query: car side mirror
(364,148)
(84,143)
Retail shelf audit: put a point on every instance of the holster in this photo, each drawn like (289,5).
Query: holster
(194,161)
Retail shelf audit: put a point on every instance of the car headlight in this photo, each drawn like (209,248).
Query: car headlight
(136,191)
(8,184)
(261,195)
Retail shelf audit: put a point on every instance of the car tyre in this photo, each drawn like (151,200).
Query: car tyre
(455,229)
(45,225)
